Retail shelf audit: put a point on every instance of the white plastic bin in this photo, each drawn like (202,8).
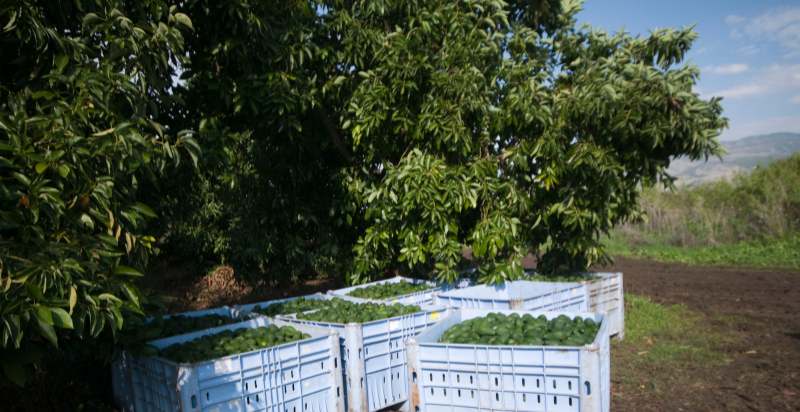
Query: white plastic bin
(122,361)
(298,376)
(503,378)
(374,353)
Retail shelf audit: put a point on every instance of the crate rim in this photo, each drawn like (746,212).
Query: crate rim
(344,292)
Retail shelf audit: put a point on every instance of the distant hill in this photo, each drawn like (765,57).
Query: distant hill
(743,155)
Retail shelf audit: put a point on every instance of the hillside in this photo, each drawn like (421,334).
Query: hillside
(742,155)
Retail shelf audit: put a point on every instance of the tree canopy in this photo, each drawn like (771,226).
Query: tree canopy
(398,134)
(345,137)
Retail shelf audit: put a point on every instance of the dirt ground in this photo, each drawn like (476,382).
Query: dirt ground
(758,311)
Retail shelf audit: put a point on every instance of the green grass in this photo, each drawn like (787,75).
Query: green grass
(664,335)
(778,253)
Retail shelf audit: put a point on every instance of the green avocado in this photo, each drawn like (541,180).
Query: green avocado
(499,329)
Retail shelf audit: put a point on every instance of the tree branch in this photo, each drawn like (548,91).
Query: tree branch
(333,133)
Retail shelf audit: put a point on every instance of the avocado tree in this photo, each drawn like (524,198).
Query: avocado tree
(501,127)
(390,134)
(80,96)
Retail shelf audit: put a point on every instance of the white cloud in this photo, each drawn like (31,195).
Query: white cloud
(738,130)
(795,99)
(733,19)
(772,79)
(778,25)
(744,90)
(726,69)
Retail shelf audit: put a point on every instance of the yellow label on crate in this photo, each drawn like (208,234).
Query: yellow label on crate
(435,316)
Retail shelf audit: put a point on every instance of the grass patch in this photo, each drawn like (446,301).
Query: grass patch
(777,253)
(667,334)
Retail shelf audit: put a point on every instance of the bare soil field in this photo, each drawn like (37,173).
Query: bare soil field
(757,314)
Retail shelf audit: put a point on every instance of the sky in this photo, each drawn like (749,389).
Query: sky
(748,53)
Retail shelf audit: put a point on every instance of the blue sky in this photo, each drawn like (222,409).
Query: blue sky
(748,53)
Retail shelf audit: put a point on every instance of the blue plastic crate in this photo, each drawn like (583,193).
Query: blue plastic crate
(520,295)
(244,311)
(374,354)
(299,376)
(122,362)
(423,297)
(504,378)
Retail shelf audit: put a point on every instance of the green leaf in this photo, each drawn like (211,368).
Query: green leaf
(184,20)
(61,62)
(91,19)
(21,178)
(144,210)
(61,319)
(131,293)
(73,298)
(104,132)
(87,221)
(127,271)
(44,314)
(11,20)
(41,167)
(109,297)
(47,332)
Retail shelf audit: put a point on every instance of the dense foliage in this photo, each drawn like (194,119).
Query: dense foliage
(504,128)
(410,131)
(268,195)
(80,94)
(751,220)
(760,205)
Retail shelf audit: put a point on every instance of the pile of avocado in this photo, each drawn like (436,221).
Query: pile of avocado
(342,311)
(291,306)
(500,329)
(161,327)
(388,290)
(231,342)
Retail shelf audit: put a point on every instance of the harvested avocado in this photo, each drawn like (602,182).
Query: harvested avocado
(342,311)
(289,307)
(231,342)
(388,290)
(500,329)
(161,327)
